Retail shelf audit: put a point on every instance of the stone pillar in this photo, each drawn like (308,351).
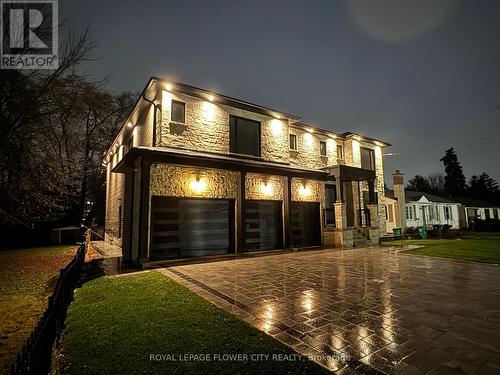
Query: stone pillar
(374,230)
(399,194)
(343,234)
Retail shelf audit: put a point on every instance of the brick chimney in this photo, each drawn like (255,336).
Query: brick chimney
(399,193)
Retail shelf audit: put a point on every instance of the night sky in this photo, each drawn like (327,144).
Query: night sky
(423,75)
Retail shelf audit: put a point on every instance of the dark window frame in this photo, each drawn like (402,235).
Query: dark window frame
(233,135)
(322,148)
(294,137)
(371,154)
(183,111)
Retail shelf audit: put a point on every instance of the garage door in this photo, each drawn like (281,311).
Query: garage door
(264,228)
(306,230)
(184,228)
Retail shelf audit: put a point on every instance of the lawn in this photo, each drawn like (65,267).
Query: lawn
(478,247)
(116,323)
(27,278)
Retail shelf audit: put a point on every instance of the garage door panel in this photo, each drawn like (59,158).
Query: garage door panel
(306,224)
(264,225)
(184,228)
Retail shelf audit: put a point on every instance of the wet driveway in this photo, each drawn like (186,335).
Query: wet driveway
(364,310)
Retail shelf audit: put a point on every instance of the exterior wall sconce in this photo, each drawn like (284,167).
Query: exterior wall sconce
(304,191)
(266,188)
(211,98)
(198,185)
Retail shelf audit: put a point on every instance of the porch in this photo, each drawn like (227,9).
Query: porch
(350,216)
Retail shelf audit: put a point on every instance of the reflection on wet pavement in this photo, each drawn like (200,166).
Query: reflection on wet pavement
(370,310)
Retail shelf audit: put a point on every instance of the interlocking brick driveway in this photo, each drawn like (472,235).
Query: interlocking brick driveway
(371,310)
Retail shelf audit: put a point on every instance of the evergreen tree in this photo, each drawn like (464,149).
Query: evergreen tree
(454,179)
(418,183)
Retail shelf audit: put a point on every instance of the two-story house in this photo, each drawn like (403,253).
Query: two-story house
(194,173)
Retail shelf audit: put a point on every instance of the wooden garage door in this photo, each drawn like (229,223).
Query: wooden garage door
(184,228)
(306,221)
(264,228)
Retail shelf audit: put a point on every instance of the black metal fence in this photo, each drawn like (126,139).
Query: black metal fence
(35,357)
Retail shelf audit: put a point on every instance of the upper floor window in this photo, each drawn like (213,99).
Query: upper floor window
(340,152)
(322,148)
(244,136)
(178,113)
(367,158)
(293,142)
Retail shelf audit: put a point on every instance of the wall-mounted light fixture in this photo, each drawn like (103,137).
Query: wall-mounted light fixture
(198,185)
(304,190)
(276,127)
(211,98)
(130,125)
(168,87)
(266,188)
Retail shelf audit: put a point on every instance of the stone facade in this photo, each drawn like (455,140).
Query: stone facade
(207,128)
(307,190)
(265,187)
(179,181)
(114,206)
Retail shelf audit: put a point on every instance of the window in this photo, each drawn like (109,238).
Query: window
(244,136)
(293,142)
(487,213)
(178,112)
(340,152)
(322,148)
(391,214)
(408,213)
(495,214)
(367,158)
(446,211)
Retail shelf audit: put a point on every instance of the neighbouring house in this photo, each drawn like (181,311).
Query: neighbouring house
(194,173)
(472,209)
(423,209)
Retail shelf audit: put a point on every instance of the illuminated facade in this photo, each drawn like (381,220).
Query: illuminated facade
(194,173)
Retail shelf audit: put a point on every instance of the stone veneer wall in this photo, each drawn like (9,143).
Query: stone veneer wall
(114,199)
(308,150)
(207,128)
(308,190)
(176,181)
(265,187)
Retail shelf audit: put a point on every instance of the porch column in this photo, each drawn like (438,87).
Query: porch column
(374,229)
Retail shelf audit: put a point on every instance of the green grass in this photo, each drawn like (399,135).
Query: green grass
(27,277)
(115,324)
(478,247)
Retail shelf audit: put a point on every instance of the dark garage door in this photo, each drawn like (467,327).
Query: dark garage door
(306,230)
(264,228)
(183,228)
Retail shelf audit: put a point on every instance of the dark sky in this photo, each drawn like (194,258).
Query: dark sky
(423,75)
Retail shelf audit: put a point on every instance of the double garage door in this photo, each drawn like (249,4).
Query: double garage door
(184,228)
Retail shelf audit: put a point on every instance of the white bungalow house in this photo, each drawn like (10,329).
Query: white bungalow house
(423,209)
